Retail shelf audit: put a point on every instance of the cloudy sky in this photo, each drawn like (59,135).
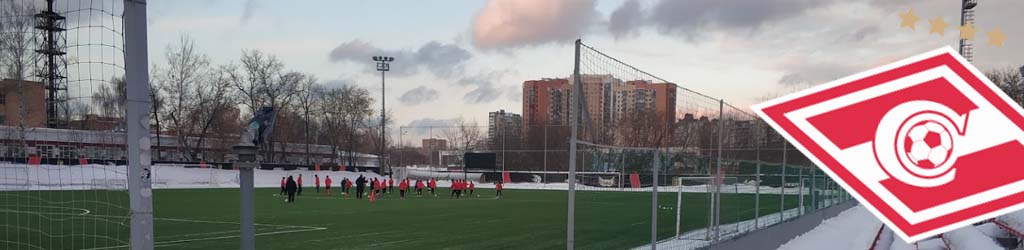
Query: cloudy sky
(466,58)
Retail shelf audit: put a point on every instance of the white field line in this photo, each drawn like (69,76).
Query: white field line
(291,229)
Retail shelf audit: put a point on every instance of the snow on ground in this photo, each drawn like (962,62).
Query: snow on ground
(854,228)
(1014,221)
(96,176)
(701,237)
(969,238)
(53,177)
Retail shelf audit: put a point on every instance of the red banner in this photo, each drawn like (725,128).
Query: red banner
(505,177)
(342,167)
(316,167)
(82,161)
(34,160)
(202,164)
(634,180)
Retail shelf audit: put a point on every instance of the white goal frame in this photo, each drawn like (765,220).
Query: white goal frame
(713,211)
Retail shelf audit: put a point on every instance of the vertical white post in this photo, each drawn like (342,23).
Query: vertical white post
(654,200)
(801,192)
(140,189)
(757,178)
(814,189)
(679,207)
(570,224)
(247,209)
(718,171)
(545,179)
(782,193)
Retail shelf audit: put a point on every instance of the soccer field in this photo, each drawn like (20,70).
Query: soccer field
(207,219)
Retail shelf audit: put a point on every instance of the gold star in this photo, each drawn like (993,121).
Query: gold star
(938,26)
(967,32)
(908,19)
(996,37)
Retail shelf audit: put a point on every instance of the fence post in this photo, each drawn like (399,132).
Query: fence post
(140,190)
(571,207)
(800,191)
(718,170)
(654,201)
(757,180)
(782,193)
(814,189)
(679,207)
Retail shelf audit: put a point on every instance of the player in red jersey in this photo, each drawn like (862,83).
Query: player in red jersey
(402,186)
(299,182)
(391,185)
(433,186)
(316,182)
(498,186)
(283,182)
(327,184)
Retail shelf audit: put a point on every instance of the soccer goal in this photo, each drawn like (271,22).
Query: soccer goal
(700,209)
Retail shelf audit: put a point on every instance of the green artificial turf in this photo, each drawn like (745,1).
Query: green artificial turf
(207,219)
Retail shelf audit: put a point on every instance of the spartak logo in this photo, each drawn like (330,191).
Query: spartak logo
(928,144)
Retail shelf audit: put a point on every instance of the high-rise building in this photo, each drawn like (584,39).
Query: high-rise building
(545,102)
(504,130)
(643,97)
(606,99)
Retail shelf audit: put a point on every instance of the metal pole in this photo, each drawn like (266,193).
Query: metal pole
(800,192)
(782,194)
(757,177)
(383,121)
(622,170)
(757,191)
(718,170)
(247,205)
(140,186)
(400,131)
(545,179)
(814,189)
(503,149)
(679,206)
(654,201)
(570,224)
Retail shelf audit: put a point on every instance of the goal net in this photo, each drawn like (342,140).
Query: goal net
(706,206)
(63,152)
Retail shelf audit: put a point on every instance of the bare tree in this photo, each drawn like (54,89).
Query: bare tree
(308,93)
(111,98)
(16,39)
(643,129)
(343,111)
(197,95)
(261,81)
(1010,80)
(463,135)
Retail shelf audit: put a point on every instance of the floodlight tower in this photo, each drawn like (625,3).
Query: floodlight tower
(967,18)
(51,64)
(383,65)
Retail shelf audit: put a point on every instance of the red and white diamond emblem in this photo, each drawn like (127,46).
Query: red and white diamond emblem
(928,144)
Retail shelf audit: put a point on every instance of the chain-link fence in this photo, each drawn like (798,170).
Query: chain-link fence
(676,166)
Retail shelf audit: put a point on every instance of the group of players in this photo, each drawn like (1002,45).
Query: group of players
(377,187)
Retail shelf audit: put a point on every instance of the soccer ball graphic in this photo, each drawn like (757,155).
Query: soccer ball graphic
(928,144)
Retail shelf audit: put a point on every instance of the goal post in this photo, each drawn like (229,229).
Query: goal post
(701,190)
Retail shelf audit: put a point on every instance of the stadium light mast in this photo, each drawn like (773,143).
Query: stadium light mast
(967,18)
(383,65)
